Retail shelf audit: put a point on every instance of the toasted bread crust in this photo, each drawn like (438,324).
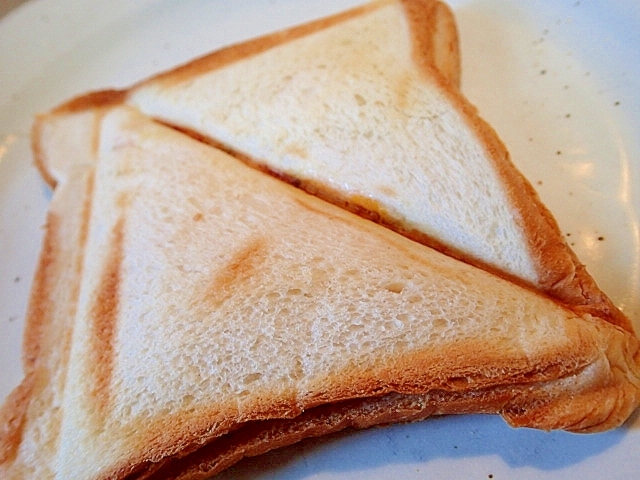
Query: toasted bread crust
(197,453)
(39,316)
(261,437)
(104,314)
(12,419)
(429,47)
(520,404)
(92,100)
(432,48)
(225,56)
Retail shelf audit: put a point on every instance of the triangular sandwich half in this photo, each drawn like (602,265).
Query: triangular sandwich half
(220,312)
(356,113)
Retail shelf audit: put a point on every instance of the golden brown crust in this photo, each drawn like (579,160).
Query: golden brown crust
(256,438)
(430,46)
(98,99)
(605,400)
(461,367)
(521,404)
(39,314)
(460,379)
(45,162)
(261,437)
(12,418)
(84,224)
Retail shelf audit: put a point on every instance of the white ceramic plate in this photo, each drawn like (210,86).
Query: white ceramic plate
(559,80)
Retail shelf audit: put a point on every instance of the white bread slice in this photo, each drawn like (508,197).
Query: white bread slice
(216,302)
(354,113)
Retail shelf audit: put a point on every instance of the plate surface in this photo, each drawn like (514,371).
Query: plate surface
(560,82)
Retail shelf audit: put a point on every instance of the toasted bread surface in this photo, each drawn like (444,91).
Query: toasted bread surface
(203,278)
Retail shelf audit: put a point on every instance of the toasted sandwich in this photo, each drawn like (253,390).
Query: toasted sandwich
(213,311)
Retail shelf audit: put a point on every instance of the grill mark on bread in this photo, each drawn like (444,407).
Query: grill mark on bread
(86,215)
(39,315)
(103,317)
(242,266)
